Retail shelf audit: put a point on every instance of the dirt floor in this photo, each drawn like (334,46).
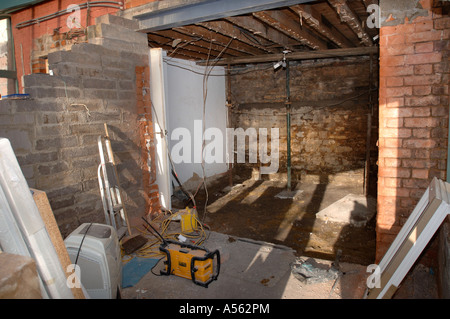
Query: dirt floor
(251,209)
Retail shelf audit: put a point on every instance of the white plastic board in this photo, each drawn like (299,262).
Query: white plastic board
(23,219)
(412,239)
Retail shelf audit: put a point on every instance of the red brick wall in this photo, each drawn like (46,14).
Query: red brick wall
(147,140)
(135,3)
(413,106)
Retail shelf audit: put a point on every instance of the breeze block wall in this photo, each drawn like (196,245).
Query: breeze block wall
(413,106)
(54,133)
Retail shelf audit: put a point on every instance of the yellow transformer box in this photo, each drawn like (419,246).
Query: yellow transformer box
(191,262)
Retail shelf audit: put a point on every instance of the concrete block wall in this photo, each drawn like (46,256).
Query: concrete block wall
(414,106)
(54,134)
(329,114)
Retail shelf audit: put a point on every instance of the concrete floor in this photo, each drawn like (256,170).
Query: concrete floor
(252,270)
(260,270)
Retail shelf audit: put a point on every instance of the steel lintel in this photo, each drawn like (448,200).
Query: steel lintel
(184,12)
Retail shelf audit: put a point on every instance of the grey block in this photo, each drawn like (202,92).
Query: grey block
(56,143)
(138,48)
(96,49)
(116,32)
(32,158)
(99,84)
(72,57)
(116,20)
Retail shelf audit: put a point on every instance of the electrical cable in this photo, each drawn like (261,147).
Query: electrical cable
(236,70)
(205,94)
(183,45)
(151,248)
(155,266)
(323,54)
(81,244)
(108,4)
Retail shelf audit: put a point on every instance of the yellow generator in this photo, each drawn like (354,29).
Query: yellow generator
(191,262)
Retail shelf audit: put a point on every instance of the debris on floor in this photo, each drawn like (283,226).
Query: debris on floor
(289,194)
(309,271)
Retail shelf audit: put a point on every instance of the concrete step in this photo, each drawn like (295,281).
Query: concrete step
(116,20)
(73,57)
(116,32)
(119,45)
(91,48)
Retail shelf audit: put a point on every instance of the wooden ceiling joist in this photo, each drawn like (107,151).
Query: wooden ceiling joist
(296,56)
(348,16)
(228,29)
(259,29)
(314,20)
(190,43)
(172,53)
(219,39)
(282,22)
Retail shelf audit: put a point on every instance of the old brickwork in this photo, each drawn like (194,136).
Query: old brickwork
(329,113)
(147,140)
(414,73)
(54,134)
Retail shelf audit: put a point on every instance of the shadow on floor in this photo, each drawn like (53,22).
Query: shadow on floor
(250,209)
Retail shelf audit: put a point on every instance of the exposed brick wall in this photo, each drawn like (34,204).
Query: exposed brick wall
(49,43)
(136,3)
(413,106)
(329,113)
(147,140)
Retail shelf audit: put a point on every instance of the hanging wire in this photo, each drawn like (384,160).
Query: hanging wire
(205,94)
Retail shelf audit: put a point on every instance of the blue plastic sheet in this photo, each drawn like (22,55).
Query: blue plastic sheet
(135,269)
